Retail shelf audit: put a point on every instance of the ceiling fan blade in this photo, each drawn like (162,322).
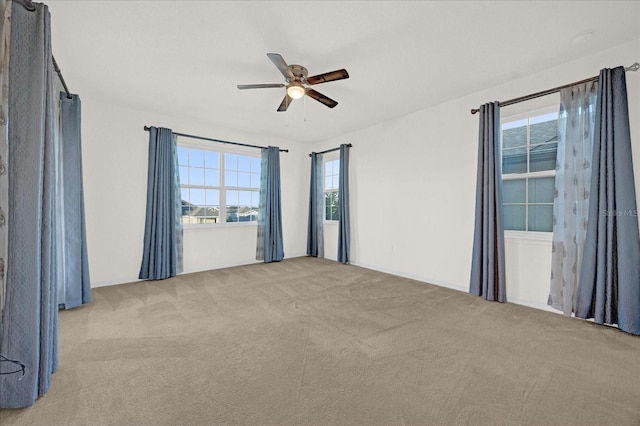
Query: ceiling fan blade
(328,76)
(321,98)
(285,103)
(258,86)
(281,65)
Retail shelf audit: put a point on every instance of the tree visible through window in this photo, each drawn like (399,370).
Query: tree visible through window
(218,187)
(331,181)
(529,148)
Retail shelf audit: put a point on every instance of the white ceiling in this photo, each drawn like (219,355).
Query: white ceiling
(186,57)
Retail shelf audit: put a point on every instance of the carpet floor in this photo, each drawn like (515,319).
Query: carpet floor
(312,342)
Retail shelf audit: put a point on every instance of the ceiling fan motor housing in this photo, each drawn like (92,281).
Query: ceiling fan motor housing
(299,73)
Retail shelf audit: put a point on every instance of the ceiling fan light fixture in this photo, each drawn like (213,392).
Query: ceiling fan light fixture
(295,90)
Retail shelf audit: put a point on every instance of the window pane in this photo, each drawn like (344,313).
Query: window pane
(196,158)
(255,165)
(543,129)
(244,179)
(514,218)
(196,176)
(185,203)
(183,156)
(184,194)
(514,134)
(231,162)
(255,199)
(335,184)
(212,197)
(327,182)
(543,157)
(255,180)
(245,198)
(184,175)
(514,161)
(212,160)
(232,198)
(194,210)
(328,168)
(244,163)
(211,177)
(513,191)
(541,190)
(196,196)
(541,218)
(230,178)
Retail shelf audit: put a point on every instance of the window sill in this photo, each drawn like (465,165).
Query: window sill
(208,226)
(529,236)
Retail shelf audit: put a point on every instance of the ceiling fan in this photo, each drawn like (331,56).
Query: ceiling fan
(297,82)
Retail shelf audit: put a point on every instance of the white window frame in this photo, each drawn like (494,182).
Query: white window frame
(326,159)
(527,235)
(221,150)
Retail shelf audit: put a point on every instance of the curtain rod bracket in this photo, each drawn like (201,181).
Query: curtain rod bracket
(634,67)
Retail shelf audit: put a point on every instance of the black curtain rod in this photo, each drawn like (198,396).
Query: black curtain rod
(146,128)
(64,84)
(28,4)
(633,67)
(330,150)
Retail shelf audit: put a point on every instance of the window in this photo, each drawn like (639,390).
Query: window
(331,179)
(529,147)
(217,186)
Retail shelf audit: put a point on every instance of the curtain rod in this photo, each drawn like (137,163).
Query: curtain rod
(330,150)
(633,67)
(28,4)
(146,128)
(64,84)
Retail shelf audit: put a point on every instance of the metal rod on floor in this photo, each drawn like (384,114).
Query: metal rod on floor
(146,128)
(633,67)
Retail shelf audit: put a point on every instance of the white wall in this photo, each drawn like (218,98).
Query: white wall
(413,185)
(115,150)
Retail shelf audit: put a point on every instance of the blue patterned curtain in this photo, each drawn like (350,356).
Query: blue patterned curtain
(269,243)
(162,255)
(344,228)
(315,235)
(30,316)
(488,262)
(609,284)
(75,286)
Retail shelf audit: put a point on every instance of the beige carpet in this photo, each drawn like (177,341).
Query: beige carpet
(313,342)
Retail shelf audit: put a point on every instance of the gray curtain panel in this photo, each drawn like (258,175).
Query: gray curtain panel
(75,288)
(487,261)
(162,252)
(30,318)
(344,227)
(270,246)
(315,230)
(609,284)
(5,34)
